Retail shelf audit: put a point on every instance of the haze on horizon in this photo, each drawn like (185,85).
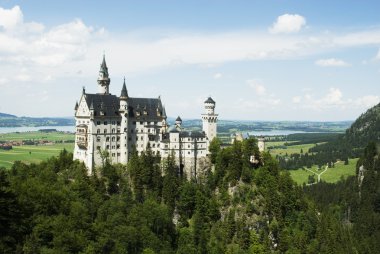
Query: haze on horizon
(272,60)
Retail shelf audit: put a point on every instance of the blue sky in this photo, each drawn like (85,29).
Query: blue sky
(259,60)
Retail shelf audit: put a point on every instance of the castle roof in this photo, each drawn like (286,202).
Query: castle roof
(210,100)
(192,134)
(103,67)
(107,103)
(145,108)
(178,119)
(124,92)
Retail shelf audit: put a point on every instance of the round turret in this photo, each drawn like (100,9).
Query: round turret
(209,105)
(178,121)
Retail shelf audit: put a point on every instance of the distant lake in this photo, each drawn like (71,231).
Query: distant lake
(26,129)
(274,132)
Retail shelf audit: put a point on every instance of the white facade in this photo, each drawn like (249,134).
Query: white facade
(107,124)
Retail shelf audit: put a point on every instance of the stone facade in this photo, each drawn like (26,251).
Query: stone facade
(106,123)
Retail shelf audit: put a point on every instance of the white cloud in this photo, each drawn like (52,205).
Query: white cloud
(331,62)
(257,86)
(367,101)
(335,100)
(296,99)
(288,23)
(378,55)
(10,18)
(217,75)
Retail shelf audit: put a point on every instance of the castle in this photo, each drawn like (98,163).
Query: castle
(106,122)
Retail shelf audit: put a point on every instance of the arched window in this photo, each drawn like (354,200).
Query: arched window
(98,131)
(98,138)
(107,139)
(113,138)
(105,131)
(113,130)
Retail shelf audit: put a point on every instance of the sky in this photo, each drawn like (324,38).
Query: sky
(259,60)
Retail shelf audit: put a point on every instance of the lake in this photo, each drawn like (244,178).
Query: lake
(28,129)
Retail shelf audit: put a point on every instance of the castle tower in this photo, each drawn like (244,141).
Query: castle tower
(178,122)
(261,144)
(123,125)
(103,78)
(209,119)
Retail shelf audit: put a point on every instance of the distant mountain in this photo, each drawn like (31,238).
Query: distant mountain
(365,129)
(3,115)
(8,120)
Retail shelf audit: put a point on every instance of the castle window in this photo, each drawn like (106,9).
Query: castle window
(107,139)
(98,147)
(113,154)
(142,138)
(98,138)
(98,131)
(113,122)
(118,138)
(107,147)
(105,123)
(118,123)
(118,146)
(113,138)
(113,147)
(118,154)
(113,130)
(105,131)
(154,145)
(141,122)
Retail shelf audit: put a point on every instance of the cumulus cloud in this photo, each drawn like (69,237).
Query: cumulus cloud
(259,88)
(10,18)
(378,55)
(334,99)
(288,23)
(331,62)
(296,99)
(217,75)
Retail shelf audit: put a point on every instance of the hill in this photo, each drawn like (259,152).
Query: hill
(365,129)
(351,144)
(3,115)
(8,120)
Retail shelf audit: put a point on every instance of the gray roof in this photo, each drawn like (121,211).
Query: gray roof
(210,100)
(178,119)
(107,103)
(151,106)
(192,134)
(124,92)
(103,67)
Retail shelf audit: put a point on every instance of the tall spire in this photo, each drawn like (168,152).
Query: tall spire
(103,78)
(103,66)
(124,92)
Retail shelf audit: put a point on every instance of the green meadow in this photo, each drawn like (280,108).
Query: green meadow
(331,175)
(34,153)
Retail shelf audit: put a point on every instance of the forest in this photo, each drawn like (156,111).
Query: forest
(149,207)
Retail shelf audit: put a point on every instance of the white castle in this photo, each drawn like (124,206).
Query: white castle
(106,122)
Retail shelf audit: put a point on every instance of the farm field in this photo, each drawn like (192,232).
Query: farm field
(34,153)
(331,175)
(36,135)
(286,149)
(31,153)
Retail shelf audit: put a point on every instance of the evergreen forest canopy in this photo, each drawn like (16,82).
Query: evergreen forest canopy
(239,207)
